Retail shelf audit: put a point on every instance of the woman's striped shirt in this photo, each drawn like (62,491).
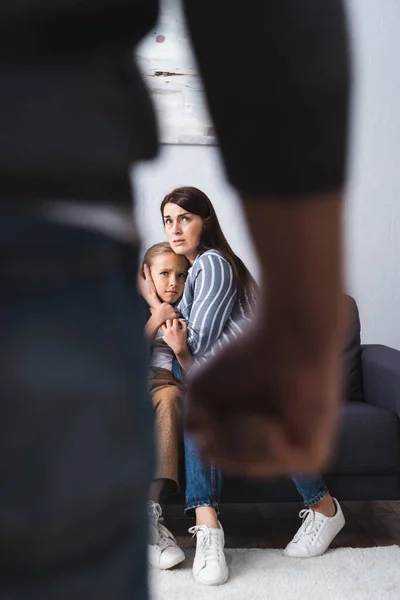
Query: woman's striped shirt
(210,305)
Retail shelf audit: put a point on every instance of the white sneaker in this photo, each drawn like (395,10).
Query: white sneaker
(163,551)
(315,534)
(209,566)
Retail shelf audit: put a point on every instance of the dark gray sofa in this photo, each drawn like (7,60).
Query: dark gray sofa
(366,464)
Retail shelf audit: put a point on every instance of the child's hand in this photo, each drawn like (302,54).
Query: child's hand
(175,335)
(163,313)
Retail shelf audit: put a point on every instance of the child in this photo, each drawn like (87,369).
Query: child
(167,336)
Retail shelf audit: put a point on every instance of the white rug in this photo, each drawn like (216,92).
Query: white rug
(341,574)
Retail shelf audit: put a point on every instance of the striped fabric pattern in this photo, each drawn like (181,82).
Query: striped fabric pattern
(210,305)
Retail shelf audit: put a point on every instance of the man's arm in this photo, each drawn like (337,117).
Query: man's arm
(278,413)
(276,74)
(277,82)
(300,244)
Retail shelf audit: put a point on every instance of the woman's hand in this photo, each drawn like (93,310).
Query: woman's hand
(164,313)
(175,335)
(158,318)
(147,289)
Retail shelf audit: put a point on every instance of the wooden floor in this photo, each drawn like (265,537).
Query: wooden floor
(273,525)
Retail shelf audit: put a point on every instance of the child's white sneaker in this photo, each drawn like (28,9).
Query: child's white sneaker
(163,551)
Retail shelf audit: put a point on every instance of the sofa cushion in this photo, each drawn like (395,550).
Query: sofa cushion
(353,389)
(369,441)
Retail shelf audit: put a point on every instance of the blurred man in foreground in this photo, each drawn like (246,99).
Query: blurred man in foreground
(76,456)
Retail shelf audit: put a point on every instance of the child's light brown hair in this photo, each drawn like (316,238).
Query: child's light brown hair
(158,250)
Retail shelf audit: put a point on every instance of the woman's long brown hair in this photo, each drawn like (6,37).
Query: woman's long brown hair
(197,202)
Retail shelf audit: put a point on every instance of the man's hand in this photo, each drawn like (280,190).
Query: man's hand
(262,410)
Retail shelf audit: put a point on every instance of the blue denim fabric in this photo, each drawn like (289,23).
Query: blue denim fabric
(203,480)
(176,369)
(76,454)
(311,488)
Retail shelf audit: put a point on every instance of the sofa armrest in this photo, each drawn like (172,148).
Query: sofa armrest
(381,376)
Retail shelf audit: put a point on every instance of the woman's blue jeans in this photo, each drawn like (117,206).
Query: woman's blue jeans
(204,482)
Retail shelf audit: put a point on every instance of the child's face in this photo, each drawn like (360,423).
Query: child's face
(169,272)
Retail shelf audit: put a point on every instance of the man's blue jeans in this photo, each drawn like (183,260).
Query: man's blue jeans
(204,482)
(76,453)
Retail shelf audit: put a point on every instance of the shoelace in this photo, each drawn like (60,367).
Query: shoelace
(165,538)
(162,536)
(307,527)
(154,512)
(210,547)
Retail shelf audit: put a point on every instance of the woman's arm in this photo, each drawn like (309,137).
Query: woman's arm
(151,328)
(185,359)
(213,302)
(160,316)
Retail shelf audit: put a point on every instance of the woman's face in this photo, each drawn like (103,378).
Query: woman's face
(183,229)
(169,273)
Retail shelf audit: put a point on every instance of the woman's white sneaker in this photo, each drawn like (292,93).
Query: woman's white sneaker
(209,566)
(315,534)
(163,551)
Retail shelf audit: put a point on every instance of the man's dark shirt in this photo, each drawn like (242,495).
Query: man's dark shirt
(75,114)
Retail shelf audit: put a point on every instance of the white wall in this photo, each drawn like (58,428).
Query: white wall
(373,215)
(373,208)
(169,68)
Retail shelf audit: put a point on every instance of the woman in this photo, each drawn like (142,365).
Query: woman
(217,304)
